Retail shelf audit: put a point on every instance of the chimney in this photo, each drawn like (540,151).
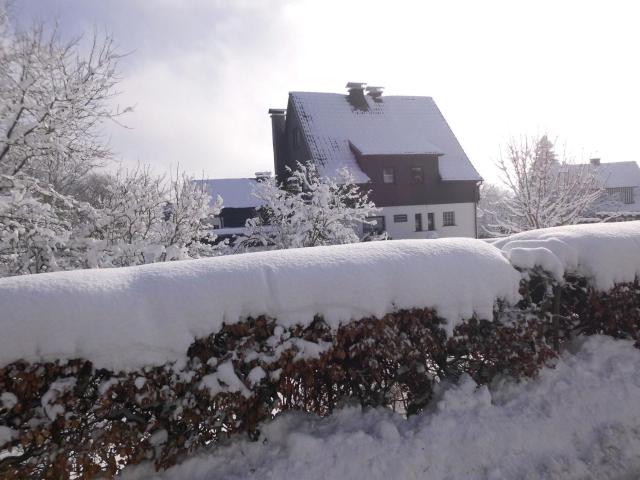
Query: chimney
(595,161)
(356,96)
(262,175)
(375,93)
(278,123)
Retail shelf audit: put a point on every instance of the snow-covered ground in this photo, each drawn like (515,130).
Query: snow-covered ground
(580,420)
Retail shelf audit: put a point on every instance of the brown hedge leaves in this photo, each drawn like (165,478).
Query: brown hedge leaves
(73,420)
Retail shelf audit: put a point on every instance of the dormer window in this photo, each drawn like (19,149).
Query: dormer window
(389,175)
(417,176)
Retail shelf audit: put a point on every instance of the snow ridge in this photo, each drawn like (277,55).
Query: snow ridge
(605,253)
(127,318)
(132,317)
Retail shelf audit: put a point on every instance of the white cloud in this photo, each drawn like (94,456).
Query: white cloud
(204,73)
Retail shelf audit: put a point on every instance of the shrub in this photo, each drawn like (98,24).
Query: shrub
(70,419)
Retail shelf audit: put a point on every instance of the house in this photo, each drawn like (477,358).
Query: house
(238,203)
(621,180)
(400,148)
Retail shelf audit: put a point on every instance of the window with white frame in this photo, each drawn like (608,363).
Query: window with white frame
(448,219)
(389,175)
(400,218)
(431,221)
(418,220)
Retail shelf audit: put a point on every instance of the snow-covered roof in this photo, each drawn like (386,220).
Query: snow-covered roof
(396,125)
(616,174)
(235,192)
(619,174)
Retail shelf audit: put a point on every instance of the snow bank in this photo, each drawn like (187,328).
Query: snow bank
(606,253)
(579,420)
(132,317)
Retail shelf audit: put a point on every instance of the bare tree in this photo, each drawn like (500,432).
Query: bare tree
(543,191)
(491,209)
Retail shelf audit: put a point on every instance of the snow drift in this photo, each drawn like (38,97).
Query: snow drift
(605,253)
(138,316)
(579,420)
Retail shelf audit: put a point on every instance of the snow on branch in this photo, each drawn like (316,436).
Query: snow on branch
(543,191)
(308,211)
(54,98)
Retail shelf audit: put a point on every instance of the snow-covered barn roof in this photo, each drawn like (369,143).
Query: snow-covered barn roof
(235,192)
(393,125)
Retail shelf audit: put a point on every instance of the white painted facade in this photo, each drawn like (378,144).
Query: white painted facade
(464,213)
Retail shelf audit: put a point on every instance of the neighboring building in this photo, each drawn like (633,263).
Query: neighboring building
(238,203)
(622,183)
(398,147)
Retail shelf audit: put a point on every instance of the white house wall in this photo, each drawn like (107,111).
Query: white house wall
(465,220)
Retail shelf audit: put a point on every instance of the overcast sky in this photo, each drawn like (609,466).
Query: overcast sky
(203,73)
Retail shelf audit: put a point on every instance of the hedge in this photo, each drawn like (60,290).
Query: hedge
(71,419)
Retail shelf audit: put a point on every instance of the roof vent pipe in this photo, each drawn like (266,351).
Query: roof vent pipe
(374,92)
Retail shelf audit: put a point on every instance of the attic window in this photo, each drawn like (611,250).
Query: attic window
(417,176)
(389,175)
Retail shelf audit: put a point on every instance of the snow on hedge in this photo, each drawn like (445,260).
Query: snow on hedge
(579,420)
(606,253)
(137,316)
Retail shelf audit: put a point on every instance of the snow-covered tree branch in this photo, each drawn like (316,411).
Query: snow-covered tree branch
(57,211)
(309,210)
(542,190)
(39,227)
(54,100)
(142,218)
(491,209)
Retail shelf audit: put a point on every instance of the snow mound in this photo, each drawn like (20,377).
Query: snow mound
(606,253)
(579,420)
(132,317)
